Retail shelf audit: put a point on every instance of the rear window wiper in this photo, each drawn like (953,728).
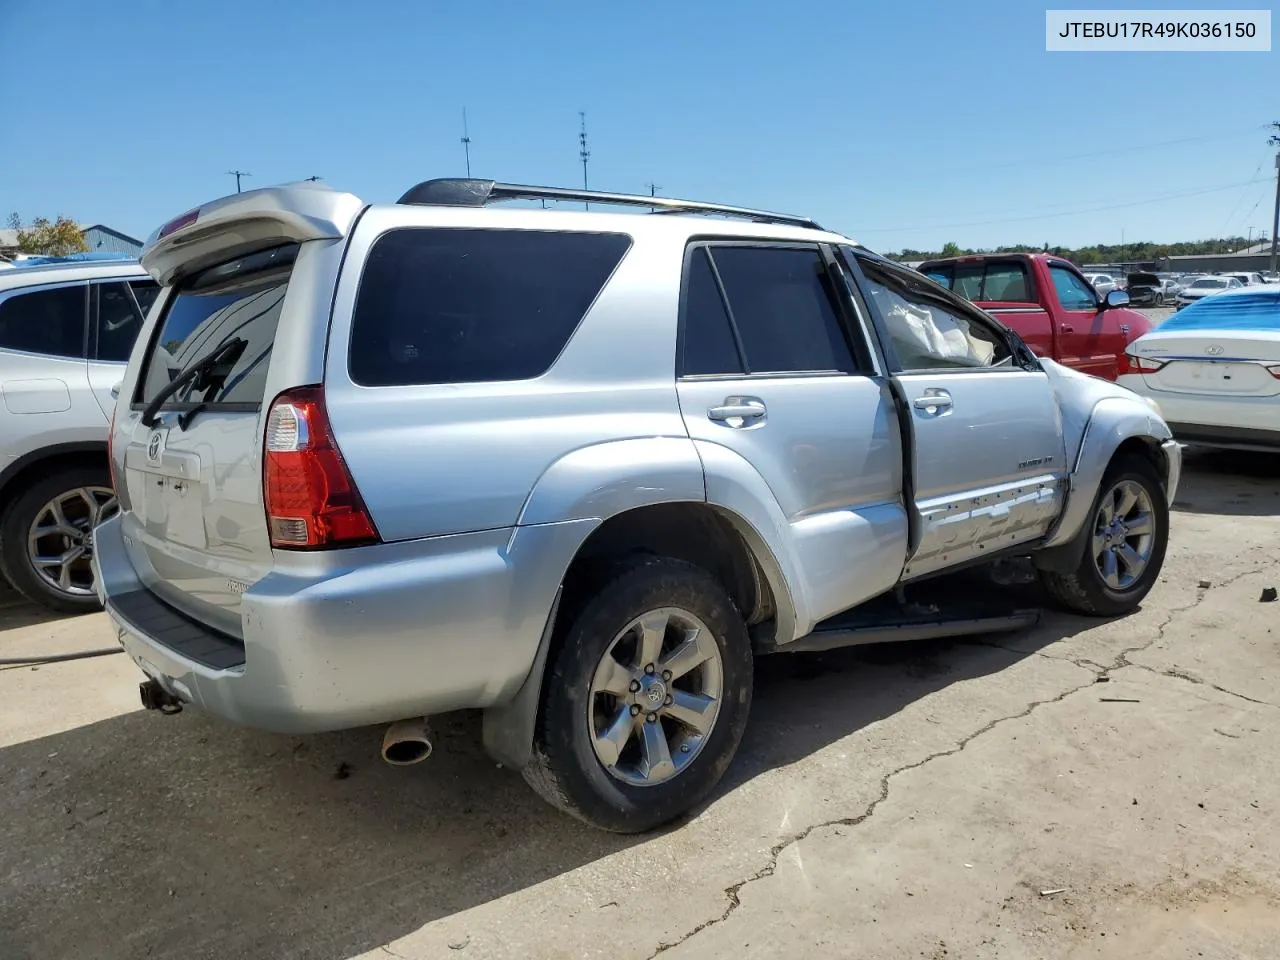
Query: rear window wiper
(229,352)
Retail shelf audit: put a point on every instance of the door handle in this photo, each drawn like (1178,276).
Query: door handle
(739,412)
(1066,328)
(934,402)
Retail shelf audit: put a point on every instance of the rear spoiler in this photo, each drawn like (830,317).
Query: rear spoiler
(245,222)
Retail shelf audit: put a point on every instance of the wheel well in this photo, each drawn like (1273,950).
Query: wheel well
(42,465)
(1149,449)
(693,532)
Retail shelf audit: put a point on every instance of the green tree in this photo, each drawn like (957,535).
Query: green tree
(56,239)
(950,249)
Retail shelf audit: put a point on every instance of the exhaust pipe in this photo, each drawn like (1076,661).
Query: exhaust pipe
(406,742)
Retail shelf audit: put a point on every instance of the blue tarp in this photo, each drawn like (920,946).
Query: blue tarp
(71,258)
(1247,310)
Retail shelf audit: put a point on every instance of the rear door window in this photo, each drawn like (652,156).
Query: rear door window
(708,346)
(239,299)
(145,292)
(439,305)
(782,309)
(47,322)
(118,320)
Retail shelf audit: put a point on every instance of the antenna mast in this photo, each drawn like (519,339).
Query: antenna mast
(466,142)
(238,174)
(583,152)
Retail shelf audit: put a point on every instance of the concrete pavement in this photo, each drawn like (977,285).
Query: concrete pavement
(1084,789)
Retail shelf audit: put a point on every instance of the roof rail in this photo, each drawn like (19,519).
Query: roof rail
(451,192)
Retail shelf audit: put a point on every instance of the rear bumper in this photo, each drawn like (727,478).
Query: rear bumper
(355,637)
(1245,422)
(1239,438)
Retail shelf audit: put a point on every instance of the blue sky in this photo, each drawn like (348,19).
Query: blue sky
(900,124)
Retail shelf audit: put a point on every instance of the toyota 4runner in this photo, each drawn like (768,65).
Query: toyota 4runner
(577,469)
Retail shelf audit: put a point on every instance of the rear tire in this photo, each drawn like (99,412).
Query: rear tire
(71,490)
(1127,538)
(597,754)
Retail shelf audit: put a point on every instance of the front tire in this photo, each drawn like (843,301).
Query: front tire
(46,541)
(645,700)
(1127,539)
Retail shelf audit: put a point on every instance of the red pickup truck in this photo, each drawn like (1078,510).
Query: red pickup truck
(1049,303)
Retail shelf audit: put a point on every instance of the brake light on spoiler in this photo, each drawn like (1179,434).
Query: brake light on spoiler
(188,218)
(310,496)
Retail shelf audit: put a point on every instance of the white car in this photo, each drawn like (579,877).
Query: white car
(1104,283)
(1213,369)
(1246,279)
(1205,287)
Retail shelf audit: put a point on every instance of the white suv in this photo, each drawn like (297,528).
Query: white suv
(65,333)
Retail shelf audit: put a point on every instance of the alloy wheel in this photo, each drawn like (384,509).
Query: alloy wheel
(655,696)
(1124,535)
(60,540)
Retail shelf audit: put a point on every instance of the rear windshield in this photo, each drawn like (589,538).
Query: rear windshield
(440,305)
(985,280)
(241,298)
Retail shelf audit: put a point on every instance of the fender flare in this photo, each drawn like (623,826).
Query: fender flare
(1112,421)
(590,485)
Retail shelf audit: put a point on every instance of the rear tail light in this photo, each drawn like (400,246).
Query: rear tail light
(311,499)
(1274,370)
(1131,363)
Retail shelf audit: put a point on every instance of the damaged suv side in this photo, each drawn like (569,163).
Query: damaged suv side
(577,469)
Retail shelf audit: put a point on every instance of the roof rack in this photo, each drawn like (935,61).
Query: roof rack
(450,192)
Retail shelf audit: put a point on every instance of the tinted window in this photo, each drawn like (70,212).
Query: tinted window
(1073,293)
(968,281)
(145,292)
(783,313)
(240,299)
(119,321)
(998,280)
(467,306)
(928,332)
(708,339)
(1006,281)
(50,322)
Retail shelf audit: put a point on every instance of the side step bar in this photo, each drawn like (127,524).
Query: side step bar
(831,639)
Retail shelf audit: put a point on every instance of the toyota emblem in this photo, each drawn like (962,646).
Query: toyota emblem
(153,447)
(1214,350)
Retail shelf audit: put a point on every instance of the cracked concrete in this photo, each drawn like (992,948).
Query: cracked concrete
(910,801)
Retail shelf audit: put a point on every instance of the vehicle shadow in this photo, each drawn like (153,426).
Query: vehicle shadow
(183,837)
(1234,483)
(16,611)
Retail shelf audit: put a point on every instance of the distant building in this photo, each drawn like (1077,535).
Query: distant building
(102,239)
(99,237)
(1254,259)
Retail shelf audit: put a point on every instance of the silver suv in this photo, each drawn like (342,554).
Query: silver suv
(65,334)
(577,469)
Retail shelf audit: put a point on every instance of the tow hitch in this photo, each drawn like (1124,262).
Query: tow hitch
(156,697)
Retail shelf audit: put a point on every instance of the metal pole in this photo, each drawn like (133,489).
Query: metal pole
(1275,217)
(238,174)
